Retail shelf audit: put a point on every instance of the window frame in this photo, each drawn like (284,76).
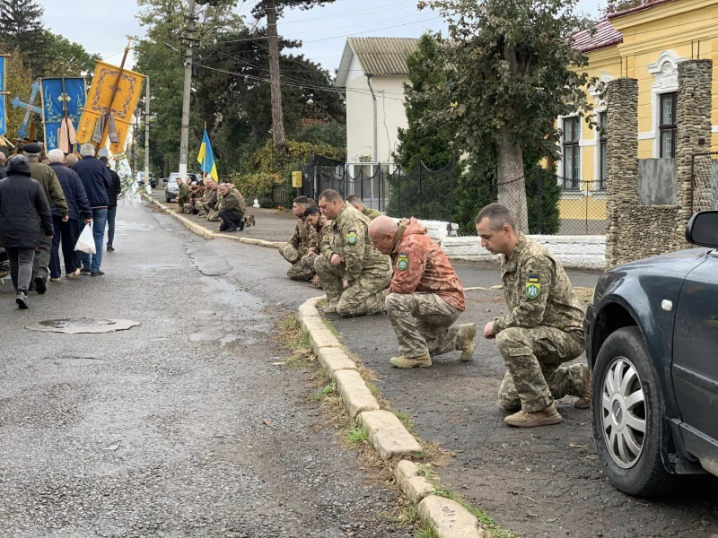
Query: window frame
(602,149)
(572,181)
(667,127)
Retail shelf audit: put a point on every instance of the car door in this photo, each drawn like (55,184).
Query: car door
(695,357)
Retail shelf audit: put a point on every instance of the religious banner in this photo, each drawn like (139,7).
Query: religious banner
(3,93)
(62,98)
(109,106)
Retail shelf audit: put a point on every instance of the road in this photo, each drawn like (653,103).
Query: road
(181,427)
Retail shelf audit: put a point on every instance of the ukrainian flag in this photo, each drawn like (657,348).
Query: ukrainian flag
(206,158)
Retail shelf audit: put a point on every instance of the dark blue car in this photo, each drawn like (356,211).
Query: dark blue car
(652,345)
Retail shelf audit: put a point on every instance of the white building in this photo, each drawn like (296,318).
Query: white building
(373,70)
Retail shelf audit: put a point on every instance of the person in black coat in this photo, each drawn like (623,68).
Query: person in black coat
(3,165)
(24,219)
(78,210)
(112,193)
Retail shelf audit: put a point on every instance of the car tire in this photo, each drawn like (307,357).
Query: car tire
(168,199)
(626,397)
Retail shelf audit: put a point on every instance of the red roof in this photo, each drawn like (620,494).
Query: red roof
(642,7)
(605,35)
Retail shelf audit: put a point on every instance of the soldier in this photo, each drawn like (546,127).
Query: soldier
(320,224)
(182,195)
(230,211)
(425,295)
(303,246)
(359,206)
(543,329)
(351,271)
(209,200)
(55,199)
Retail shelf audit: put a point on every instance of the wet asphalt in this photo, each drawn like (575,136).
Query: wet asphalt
(182,426)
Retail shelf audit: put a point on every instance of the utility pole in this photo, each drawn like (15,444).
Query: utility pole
(184,131)
(147,132)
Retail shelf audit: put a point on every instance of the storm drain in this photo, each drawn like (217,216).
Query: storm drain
(82,325)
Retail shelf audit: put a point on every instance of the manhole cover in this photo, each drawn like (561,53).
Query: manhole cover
(82,325)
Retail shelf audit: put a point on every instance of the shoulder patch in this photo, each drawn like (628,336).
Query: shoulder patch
(533,286)
(352,237)
(402,261)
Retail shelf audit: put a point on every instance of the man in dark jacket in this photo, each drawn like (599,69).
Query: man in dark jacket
(230,210)
(53,191)
(97,181)
(78,209)
(112,194)
(24,215)
(3,165)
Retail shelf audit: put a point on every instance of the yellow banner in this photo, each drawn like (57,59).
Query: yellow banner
(121,109)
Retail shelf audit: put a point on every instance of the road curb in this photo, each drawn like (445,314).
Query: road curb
(387,434)
(208,234)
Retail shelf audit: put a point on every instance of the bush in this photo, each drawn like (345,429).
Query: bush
(259,185)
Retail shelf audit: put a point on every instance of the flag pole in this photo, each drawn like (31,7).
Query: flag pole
(112,98)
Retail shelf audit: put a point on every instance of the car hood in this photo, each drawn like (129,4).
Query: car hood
(678,264)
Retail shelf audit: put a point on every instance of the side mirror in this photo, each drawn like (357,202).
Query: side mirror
(702,229)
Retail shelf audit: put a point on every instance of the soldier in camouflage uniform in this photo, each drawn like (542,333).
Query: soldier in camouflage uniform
(351,271)
(359,206)
(543,329)
(425,295)
(303,247)
(209,201)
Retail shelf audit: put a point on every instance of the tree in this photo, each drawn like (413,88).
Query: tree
(18,82)
(68,58)
(511,71)
(272,9)
(21,27)
(616,6)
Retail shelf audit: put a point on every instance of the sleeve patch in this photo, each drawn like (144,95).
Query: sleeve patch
(402,261)
(352,237)
(533,286)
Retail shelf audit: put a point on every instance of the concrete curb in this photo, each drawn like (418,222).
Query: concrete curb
(387,434)
(204,232)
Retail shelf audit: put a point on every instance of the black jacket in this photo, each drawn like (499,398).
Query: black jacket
(114,191)
(78,207)
(96,178)
(24,214)
(3,171)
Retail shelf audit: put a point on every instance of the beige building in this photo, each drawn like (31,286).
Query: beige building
(373,71)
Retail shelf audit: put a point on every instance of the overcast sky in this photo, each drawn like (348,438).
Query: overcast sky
(101,26)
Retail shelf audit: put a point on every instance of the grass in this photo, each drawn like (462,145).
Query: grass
(488,524)
(358,434)
(332,328)
(406,420)
(296,340)
(425,531)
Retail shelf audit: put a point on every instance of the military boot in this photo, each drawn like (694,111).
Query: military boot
(524,419)
(468,333)
(584,402)
(411,362)
(330,308)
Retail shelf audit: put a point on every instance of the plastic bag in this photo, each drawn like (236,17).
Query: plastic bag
(86,242)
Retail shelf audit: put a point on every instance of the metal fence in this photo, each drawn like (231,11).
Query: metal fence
(421,192)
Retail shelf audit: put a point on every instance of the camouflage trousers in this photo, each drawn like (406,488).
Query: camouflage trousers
(422,323)
(203,208)
(213,216)
(536,373)
(363,297)
(302,269)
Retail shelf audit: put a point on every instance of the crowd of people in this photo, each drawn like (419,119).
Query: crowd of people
(44,206)
(368,263)
(216,202)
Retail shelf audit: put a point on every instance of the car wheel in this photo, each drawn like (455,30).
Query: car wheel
(168,199)
(628,411)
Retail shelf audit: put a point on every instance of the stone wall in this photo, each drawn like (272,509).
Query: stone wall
(638,231)
(657,181)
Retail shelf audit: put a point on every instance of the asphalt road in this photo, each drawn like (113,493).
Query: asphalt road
(181,427)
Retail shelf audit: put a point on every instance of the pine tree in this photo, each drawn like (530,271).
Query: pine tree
(21,27)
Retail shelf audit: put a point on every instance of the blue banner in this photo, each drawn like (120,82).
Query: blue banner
(53,111)
(3,100)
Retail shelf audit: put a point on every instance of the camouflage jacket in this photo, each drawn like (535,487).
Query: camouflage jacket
(349,237)
(305,238)
(371,213)
(232,203)
(183,193)
(537,290)
(212,197)
(420,266)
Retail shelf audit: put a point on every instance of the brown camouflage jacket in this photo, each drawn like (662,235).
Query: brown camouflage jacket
(537,290)
(420,266)
(305,238)
(349,237)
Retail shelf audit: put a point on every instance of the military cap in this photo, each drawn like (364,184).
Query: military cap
(33,147)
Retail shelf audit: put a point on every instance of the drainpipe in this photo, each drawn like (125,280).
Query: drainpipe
(374,154)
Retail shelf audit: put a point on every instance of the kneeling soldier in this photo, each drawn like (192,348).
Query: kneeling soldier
(303,246)
(543,329)
(351,271)
(425,296)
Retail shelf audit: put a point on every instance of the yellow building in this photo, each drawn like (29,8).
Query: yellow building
(646,43)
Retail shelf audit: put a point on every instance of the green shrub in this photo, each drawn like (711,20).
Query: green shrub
(253,186)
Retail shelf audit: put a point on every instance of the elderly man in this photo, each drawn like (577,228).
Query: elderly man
(230,210)
(96,179)
(425,296)
(543,329)
(78,207)
(303,246)
(359,206)
(351,271)
(53,191)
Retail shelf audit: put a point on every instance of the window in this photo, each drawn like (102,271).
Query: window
(602,150)
(668,126)
(571,153)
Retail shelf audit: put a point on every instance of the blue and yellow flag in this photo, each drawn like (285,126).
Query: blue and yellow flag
(206,158)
